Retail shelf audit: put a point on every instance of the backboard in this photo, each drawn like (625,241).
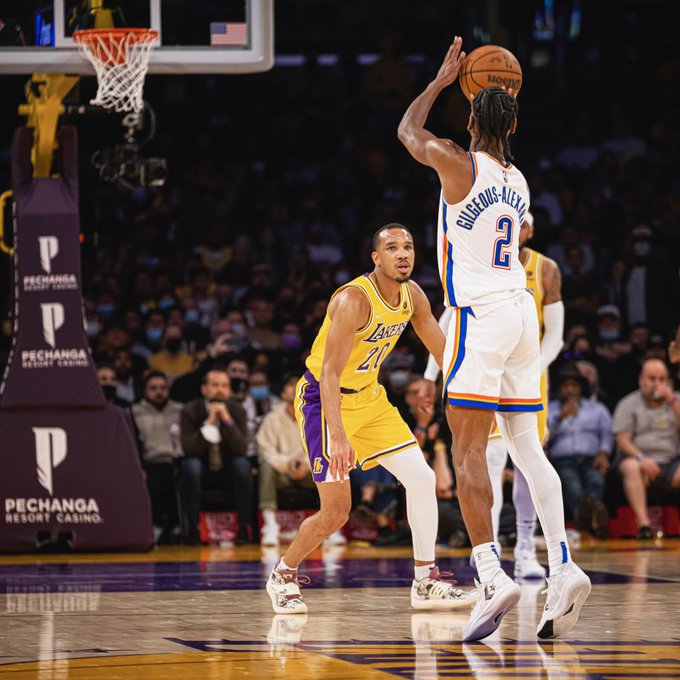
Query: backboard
(195,36)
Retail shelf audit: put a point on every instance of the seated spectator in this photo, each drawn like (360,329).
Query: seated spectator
(156,422)
(647,429)
(129,368)
(261,334)
(580,443)
(258,402)
(214,435)
(107,379)
(284,465)
(171,360)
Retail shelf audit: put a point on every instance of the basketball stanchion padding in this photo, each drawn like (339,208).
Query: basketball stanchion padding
(120,57)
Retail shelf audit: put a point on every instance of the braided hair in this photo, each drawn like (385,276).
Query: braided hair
(495,111)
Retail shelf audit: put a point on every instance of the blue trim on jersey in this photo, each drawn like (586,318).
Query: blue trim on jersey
(473,403)
(519,408)
(460,344)
(449,260)
(472,163)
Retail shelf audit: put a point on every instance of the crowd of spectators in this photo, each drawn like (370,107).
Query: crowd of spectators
(277,182)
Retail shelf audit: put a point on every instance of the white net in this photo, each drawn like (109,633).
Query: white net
(121,59)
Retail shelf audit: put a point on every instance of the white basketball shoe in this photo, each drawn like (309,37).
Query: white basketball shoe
(435,592)
(567,590)
(283,588)
(495,599)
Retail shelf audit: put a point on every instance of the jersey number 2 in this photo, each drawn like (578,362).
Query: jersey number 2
(501,248)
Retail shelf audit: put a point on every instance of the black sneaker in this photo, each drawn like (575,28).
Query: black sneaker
(644,534)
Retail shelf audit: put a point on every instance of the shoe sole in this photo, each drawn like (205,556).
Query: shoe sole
(283,610)
(489,625)
(442,604)
(557,627)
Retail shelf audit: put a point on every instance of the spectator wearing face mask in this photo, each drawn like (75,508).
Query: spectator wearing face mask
(153,335)
(252,390)
(171,360)
(107,379)
(647,285)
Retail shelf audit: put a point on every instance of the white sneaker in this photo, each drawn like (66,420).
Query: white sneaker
(567,590)
(283,588)
(335,539)
(527,565)
(495,599)
(433,592)
(270,534)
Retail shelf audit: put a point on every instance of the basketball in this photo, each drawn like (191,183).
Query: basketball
(488,66)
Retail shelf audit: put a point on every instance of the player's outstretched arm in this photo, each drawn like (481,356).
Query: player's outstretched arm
(425,147)
(553,313)
(425,325)
(349,311)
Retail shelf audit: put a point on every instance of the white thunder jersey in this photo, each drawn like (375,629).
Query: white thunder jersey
(477,239)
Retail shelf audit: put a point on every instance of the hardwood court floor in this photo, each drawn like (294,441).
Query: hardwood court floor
(202,613)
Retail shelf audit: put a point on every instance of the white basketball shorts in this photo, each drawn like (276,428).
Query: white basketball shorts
(491,359)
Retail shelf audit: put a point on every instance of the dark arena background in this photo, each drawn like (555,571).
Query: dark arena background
(144,251)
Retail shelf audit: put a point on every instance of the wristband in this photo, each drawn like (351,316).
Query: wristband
(639,457)
(420,428)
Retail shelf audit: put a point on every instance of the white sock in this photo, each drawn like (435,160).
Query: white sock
(283,566)
(558,553)
(520,433)
(269,517)
(422,571)
(496,457)
(487,560)
(525,511)
(417,477)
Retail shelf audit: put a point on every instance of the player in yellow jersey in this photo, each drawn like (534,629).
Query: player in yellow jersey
(545,284)
(345,419)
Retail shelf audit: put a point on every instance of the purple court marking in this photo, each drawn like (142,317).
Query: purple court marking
(178,576)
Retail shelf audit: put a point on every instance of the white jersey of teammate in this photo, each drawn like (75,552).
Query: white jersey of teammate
(477,238)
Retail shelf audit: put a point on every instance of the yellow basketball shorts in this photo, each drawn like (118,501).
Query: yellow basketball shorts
(373,426)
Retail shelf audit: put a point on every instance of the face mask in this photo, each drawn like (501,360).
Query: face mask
(238,385)
(173,345)
(259,392)
(291,341)
(154,334)
(109,392)
(609,334)
(642,248)
(399,379)
(238,329)
(192,316)
(165,304)
(92,328)
(106,309)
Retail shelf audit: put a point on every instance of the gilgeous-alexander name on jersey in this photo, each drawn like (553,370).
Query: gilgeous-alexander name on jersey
(478,237)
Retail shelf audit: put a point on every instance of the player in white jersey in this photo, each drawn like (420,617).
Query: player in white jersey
(492,350)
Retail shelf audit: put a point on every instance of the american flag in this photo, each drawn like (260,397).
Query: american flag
(229,33)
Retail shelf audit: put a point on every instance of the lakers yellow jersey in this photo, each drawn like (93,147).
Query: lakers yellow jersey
(373,342)
(532,267)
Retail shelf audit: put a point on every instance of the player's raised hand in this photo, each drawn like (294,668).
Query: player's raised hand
(342,458)
(448,71)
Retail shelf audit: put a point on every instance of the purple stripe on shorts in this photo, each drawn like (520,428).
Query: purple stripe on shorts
(314,425)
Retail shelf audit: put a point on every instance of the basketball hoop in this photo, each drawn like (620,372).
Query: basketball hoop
(120,57)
